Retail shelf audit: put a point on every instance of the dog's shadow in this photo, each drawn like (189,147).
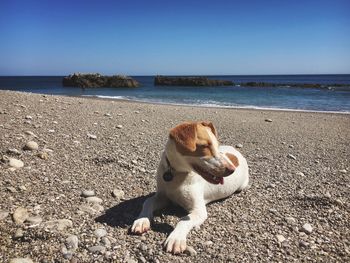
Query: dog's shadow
(123,214)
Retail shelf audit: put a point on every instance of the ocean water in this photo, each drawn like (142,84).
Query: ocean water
(336,99)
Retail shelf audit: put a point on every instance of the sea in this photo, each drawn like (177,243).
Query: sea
(329,99)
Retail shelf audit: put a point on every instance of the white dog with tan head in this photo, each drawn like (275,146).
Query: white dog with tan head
(194,171)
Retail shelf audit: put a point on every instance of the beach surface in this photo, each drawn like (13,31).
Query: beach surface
(296,210)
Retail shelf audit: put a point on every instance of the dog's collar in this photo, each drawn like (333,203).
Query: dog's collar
(170,172)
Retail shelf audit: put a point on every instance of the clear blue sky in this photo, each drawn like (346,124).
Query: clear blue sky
(174,37)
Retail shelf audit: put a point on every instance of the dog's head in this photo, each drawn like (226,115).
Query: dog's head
(197,144)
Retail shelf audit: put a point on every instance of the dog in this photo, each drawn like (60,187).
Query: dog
(194,171)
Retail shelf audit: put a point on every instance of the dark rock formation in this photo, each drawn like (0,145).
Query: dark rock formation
(96,80)
(190,81)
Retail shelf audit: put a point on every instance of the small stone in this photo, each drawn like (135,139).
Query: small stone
(3,214)
(303,243)
(280,238)
(208,243)
(15,163)
(190,251)
(239,145)
(107,115)
(143,247)
(21,260)
(94,199)
(18,234)
(43,155)
(22,188)
(34,220)
(118,193)
(51,131)
(106,242)
(290,220)
(268,120)
(97,249)
(343,171)
(307,228)
(13,151)
(20,215)
(291,156)
(11,189)
(59,225)
(291,146)
(88,193)
(134,162)
(100,232)
(271,186)
(30,133)
(31,146)
(119,126)
(72,242)
(300,174)
(328,195)
(91,136)
(28,117)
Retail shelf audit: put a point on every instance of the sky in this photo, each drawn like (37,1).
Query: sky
(175,37)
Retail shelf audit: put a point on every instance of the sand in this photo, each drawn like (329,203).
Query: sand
(299,167)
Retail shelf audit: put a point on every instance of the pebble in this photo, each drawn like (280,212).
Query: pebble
(343,171)
(280,238)
(95,208)
(21,260)
(307,228)
(134,162)
(290,220)
(91,136)
(94,199)
(30,133)
(43,155)
(3,214)
(18,234)
(31,146)
(28,117)
(88,193)
(268,120)
(11,189)
(190,251)
(107,115)
(51,131)
(20,215)
(106,242)
(208,243)
(34,220)
(59,225)
(100,232)
(291,156)
(72,242)
(303,243)
(118,193)
(15,163)
(300,174)
(13,151)
(97,249)
(239,145)
(119,126)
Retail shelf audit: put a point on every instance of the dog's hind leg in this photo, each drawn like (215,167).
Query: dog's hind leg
(153,203)
(176,241)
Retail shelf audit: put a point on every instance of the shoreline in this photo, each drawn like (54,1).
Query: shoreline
(252,108)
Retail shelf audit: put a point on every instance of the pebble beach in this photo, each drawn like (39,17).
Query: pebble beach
(75,171)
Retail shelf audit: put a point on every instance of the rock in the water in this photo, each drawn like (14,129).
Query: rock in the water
(280,238)
(72,242)
(87,193)
(31,146)
(15,163)
(239,145)
(118,193)
(59,225)
(97,249)
(3,214)
(291,156)
(307,228)
(21,260)
(94,199)
(101,232)
(20,215)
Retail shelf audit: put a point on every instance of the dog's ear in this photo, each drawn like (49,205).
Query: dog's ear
(185,135)
(233,158)
(211,126)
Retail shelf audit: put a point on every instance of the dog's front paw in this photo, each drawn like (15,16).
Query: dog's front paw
(140,226)
(175,243)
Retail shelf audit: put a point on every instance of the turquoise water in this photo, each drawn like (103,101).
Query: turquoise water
(313,99)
